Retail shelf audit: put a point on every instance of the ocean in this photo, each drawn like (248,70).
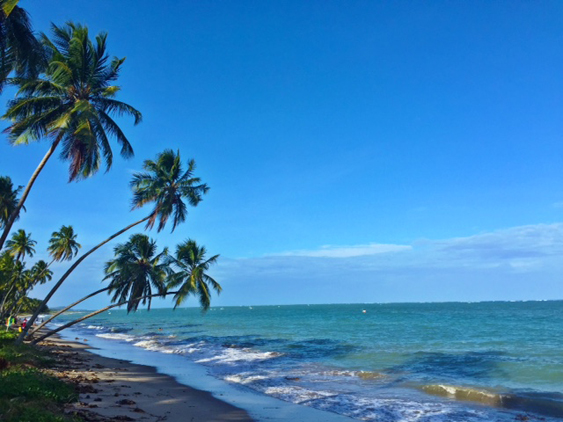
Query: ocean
(489,361)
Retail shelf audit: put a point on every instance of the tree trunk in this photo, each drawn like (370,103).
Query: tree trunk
(67,308)
(69,271)
(6,297)
(16,212)
(90,315)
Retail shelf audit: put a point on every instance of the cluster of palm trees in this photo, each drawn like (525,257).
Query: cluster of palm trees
(67,97)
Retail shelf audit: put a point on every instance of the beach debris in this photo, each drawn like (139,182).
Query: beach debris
(125,401)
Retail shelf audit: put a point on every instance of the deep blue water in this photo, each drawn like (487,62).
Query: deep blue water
(386,362)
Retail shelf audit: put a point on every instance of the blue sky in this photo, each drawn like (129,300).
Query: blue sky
(356,151)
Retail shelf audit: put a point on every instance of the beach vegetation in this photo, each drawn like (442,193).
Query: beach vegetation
(16,281)
(72,103)
(27,392)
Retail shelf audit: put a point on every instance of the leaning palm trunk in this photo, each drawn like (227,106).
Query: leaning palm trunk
(67,308)
(90,315)
(69,271)
(14,215)
(6,296)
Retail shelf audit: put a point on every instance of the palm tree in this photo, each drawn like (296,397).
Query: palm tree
(136,274)
(63,245)
(19,49)
(8,199)
(38,274)
(21,245)
(191,277)
(136,270)
(166,185)
(71,105)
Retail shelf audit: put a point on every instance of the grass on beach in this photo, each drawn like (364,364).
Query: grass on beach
(26,392)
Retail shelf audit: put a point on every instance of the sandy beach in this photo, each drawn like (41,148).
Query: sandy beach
(117,390)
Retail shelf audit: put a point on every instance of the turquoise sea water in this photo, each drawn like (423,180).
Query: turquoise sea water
(386,362)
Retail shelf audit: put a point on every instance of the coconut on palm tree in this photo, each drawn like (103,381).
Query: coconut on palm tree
(165,184)
(72,105)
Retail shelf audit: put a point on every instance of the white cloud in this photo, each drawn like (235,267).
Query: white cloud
(329,251)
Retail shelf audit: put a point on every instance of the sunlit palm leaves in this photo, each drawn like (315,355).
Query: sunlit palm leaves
(74,102)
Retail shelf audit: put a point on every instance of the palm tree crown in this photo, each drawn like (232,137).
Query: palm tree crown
(19,49)
(21,245)
(63,245)
(191,276)
(166,185)
(73,102)
(8,199)
(136,270)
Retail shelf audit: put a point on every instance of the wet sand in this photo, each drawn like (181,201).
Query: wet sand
(118,390)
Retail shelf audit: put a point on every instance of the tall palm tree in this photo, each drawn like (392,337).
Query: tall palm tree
(71,105)
(21,245)
(8,199)
(164,184)
(136,270)
(191,277)
(20,51)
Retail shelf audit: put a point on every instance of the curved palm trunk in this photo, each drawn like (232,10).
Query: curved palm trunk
(67,308)
(90,315)
(6,297)
(34,176)
(69,271)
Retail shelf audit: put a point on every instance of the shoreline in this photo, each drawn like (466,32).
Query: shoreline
(116,389)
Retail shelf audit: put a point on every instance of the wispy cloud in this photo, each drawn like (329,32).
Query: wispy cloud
(329,251)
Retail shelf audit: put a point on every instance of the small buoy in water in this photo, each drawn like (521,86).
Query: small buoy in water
(364,311)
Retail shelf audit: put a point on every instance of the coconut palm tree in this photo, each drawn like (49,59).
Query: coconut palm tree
(21,245)
(38,274)
(8,199)
(63,245)
(72,105)
(164,184)
(136,274)
(136,270)
(191,277)
(20,51)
